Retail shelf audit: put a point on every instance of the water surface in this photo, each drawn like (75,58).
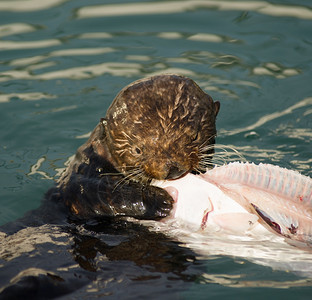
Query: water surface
(63,62)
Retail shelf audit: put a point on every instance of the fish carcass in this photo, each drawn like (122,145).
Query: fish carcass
(244,198)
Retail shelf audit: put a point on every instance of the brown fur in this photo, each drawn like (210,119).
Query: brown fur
(156,128)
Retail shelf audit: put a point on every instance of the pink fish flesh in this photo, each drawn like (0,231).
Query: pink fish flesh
(244,197)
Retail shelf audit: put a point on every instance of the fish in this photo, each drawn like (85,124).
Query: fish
(245,198)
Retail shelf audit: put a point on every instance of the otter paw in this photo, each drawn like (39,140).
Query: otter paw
(158,203)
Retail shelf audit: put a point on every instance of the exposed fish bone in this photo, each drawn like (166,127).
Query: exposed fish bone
(245,198)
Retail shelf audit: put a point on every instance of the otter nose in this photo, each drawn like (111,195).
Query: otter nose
(174,172)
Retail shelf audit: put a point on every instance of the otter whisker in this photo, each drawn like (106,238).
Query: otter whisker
(223,155)
(118,172)
(205,148)
(133,172)
(228,153)
(216,158)
(225,150)
(111,174)
(127,177)
(204,166)
(200,169)
(142,178)
(204,144)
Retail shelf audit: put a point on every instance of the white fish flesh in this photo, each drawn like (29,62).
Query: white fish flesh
(245,198)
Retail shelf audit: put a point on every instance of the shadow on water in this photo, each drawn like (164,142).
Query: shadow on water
(98,257)
(48,255)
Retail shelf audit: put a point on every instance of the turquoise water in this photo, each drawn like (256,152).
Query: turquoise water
(63,62)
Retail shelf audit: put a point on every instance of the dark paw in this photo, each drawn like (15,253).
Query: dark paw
(158,203)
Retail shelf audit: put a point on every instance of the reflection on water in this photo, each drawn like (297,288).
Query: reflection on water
(15,28)
(116,69)
(28,5)
(236,281)
(268,251)
(303,103)
(63,62)
(11,45)
(170,7)
(25,96)
(65,52)
(275,70)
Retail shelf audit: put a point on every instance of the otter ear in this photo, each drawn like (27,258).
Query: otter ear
(103,121)
(216,107)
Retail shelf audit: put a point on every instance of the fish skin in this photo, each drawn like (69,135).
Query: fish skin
(246,198)
(274,179)
(204,206)
(282,198)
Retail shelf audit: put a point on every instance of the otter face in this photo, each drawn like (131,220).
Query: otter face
(159,155)
(161,128)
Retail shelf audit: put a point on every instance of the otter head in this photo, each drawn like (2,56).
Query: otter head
(161,128)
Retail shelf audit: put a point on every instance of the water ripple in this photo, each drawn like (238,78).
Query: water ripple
(65,52)
(116,69)
(15,28)
(17,45)
(303,103)
(170,7)
(28,5)
(25,96)
(273,69)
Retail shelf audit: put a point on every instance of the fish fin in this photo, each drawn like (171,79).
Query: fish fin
(275,212)
(235,222)
(268,220)
(282,225)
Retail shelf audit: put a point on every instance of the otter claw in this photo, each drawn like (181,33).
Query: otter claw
(158,203)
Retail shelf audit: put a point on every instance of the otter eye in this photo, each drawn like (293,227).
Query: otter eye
(195,137)
(138,150)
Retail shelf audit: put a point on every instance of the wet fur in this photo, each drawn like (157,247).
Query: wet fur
(157,128)
(88,187)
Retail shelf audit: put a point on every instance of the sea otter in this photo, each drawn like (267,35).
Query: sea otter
(161,127)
